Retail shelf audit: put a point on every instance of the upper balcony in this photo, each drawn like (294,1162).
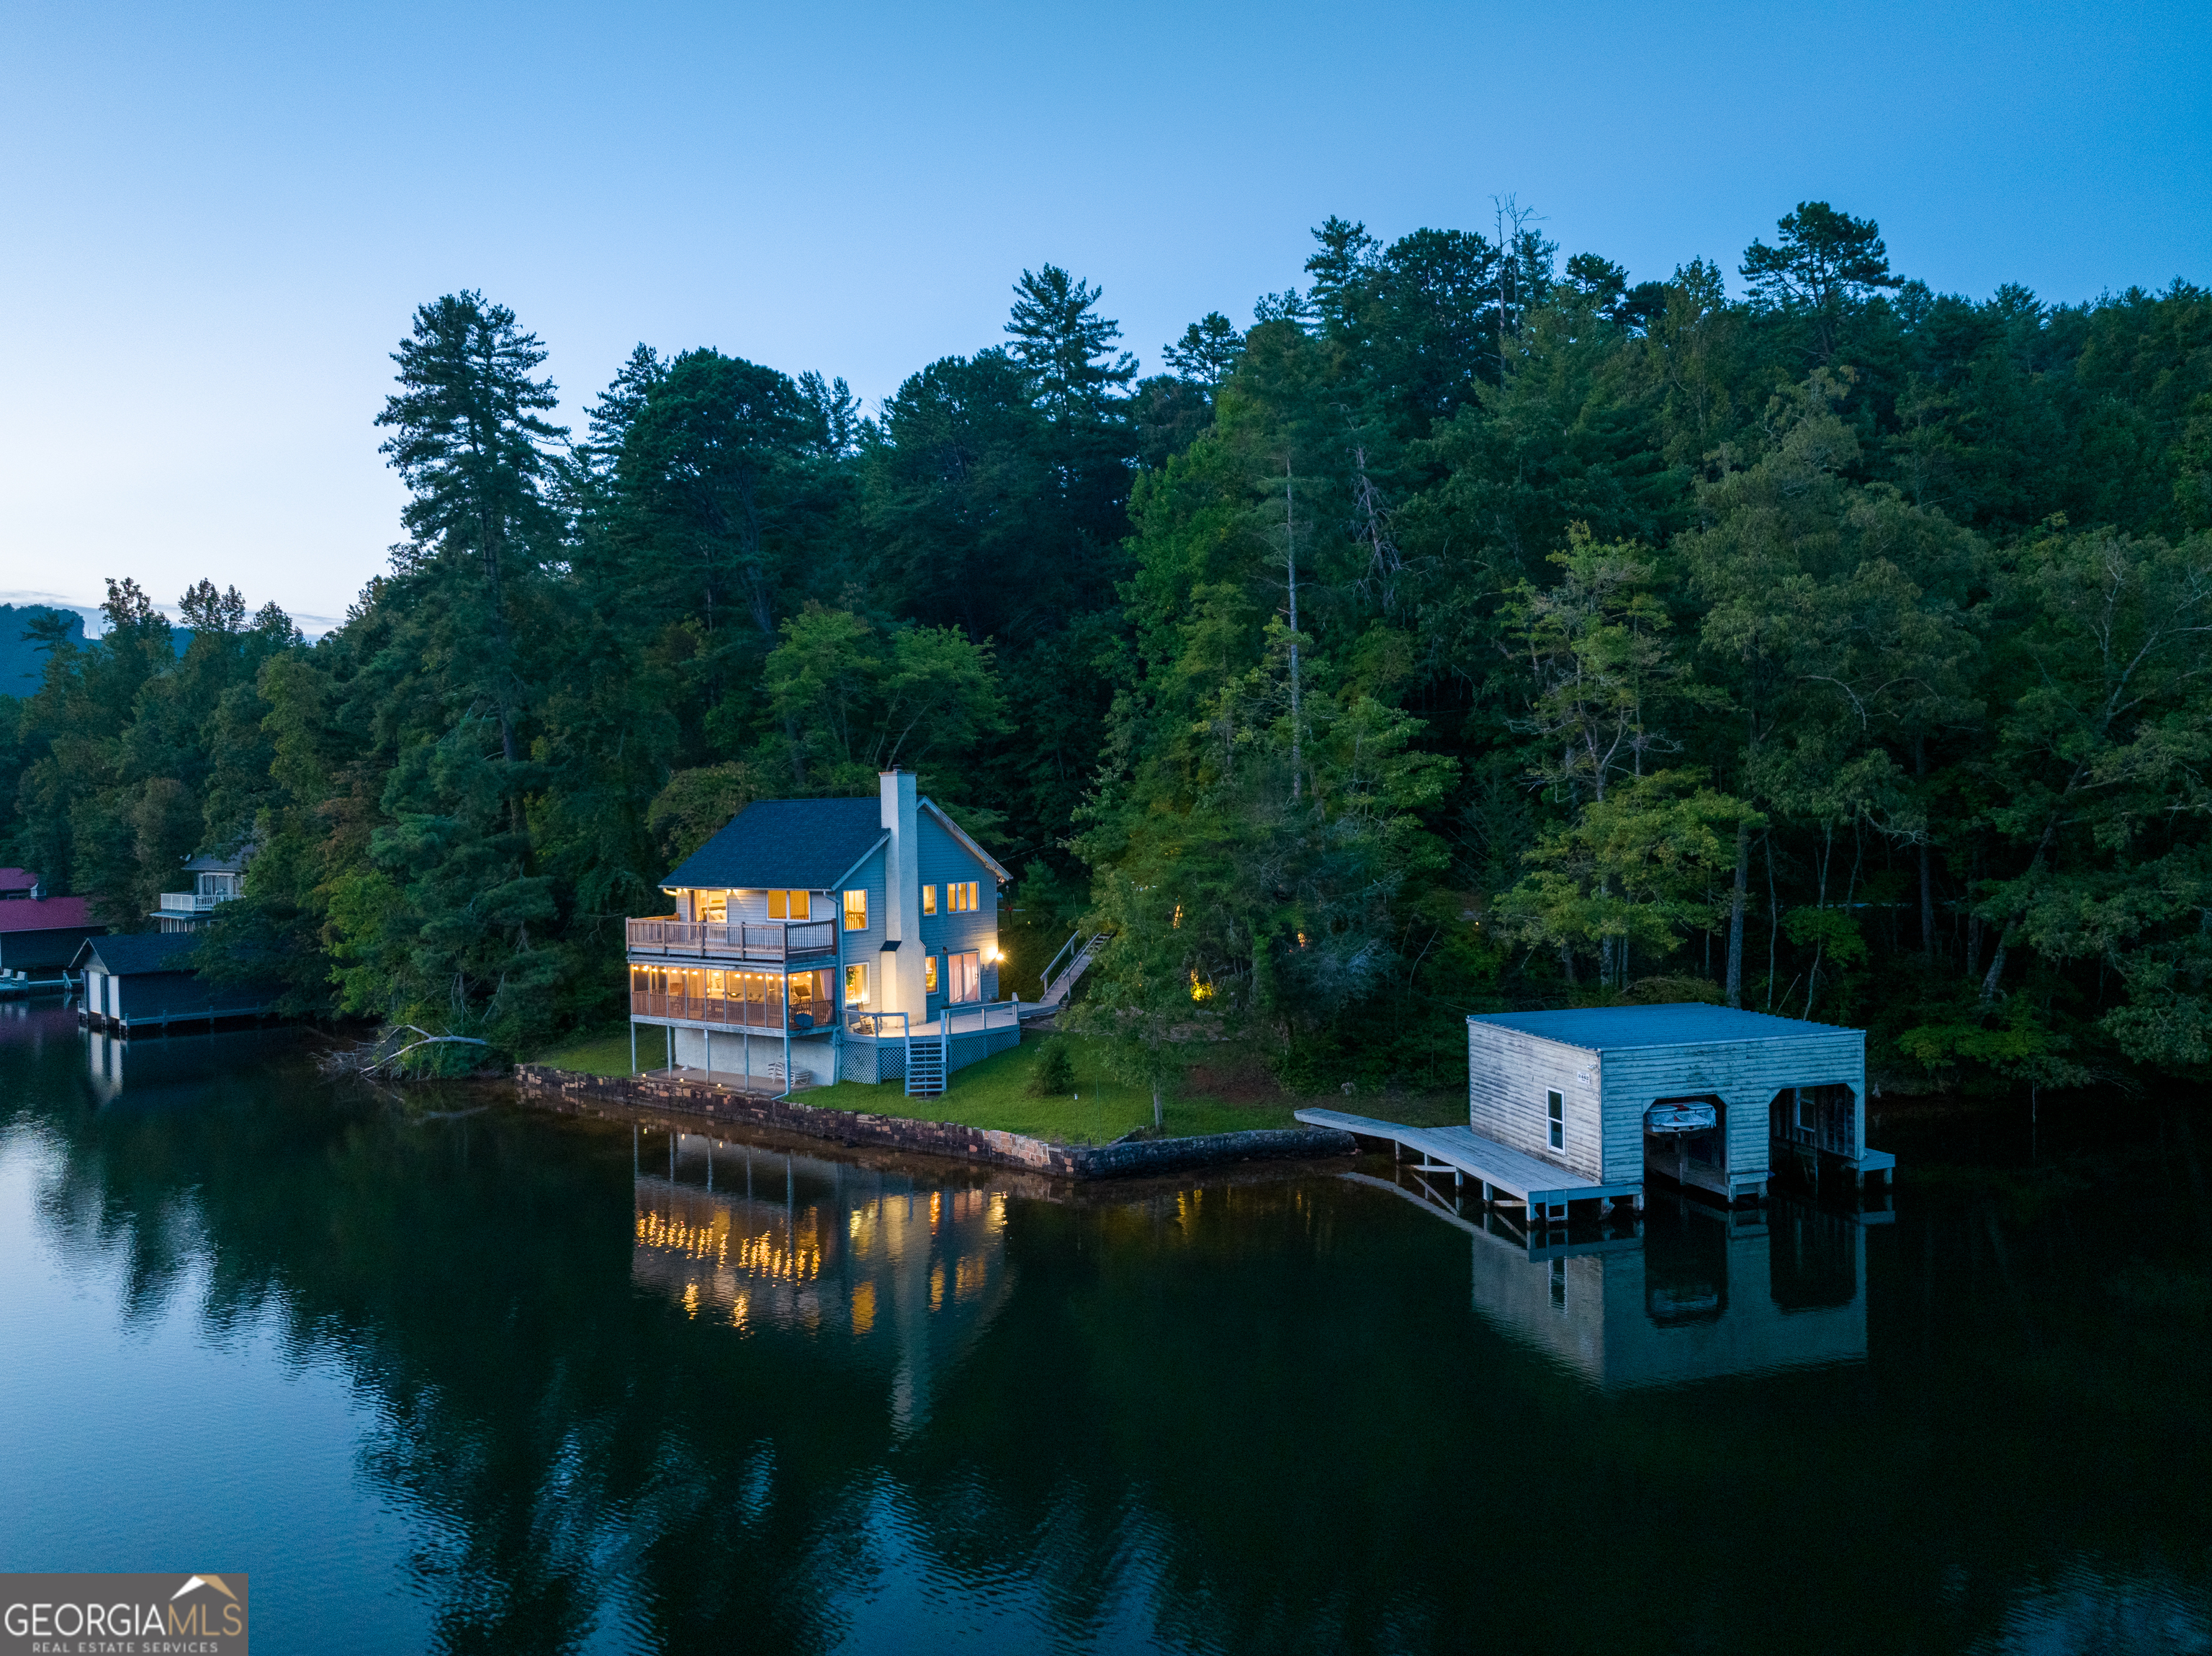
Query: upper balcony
(771,942)
(192,902)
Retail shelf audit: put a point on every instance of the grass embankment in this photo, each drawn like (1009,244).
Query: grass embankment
(1098,1109)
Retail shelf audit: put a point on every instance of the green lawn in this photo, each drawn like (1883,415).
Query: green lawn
(609,1054)
(994,1095)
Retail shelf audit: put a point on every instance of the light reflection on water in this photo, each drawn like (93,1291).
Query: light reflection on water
(508,1382)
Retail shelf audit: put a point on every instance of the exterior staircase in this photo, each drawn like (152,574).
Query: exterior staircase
(924,1066)
(1078,952)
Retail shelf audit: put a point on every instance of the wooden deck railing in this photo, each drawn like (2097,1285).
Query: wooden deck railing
(730,1012)
(746,940)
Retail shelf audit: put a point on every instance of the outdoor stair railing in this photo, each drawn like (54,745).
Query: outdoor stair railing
(1078,951)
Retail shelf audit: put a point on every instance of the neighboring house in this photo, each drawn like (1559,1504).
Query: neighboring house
(816,939)
(139,981)
(1702,1095)
(215,879)
(39,935)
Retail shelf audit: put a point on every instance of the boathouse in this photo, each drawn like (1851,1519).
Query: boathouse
(813,940)
(1702,1095)
(39,935)
(140,981)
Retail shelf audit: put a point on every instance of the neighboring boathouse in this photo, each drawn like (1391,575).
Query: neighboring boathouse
(819,939)
(39,935)
(140,981)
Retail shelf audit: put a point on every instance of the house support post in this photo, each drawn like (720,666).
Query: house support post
(633,1046)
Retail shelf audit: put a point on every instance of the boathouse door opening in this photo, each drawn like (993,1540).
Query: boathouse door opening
(1685,1139)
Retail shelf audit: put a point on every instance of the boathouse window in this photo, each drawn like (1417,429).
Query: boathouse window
(967,976)
(856,985)
(1555,1107)
(960,896)
(856,911)
(929,973)
(929,899)
(788,905)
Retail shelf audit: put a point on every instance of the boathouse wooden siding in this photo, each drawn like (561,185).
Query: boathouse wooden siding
(1509,1073)
(1745,1075)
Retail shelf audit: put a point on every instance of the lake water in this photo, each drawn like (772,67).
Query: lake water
(455,1378)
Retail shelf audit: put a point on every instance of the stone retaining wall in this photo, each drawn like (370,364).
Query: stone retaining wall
(944,1138)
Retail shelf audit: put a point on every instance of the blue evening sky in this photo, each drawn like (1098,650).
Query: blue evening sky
(218,217)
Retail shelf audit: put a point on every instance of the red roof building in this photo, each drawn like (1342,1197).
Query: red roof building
(41,935)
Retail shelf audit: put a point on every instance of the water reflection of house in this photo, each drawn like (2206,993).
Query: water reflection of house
(1703,1292)
(770,1239)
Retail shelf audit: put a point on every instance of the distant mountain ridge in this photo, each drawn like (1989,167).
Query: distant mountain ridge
(23,667)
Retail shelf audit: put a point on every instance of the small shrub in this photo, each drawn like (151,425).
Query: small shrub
(1053,1075)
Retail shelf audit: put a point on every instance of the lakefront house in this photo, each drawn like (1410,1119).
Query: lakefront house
(814,940)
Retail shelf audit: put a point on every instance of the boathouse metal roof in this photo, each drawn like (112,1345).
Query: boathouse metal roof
(1601,1028)
(134,953)
(804,845)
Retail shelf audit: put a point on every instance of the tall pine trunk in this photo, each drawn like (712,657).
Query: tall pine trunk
(1735,914)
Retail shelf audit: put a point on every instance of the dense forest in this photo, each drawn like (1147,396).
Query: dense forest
(1474,630)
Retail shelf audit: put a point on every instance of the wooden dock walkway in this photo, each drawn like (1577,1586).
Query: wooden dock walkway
(1502,1174)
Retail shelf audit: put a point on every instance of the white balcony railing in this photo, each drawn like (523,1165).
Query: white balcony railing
(191,902)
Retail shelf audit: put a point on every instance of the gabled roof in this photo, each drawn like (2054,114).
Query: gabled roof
(1600,1028)
(804,845)
(45,914)
(211,862)
(962,836)
(134,953)
(17,879)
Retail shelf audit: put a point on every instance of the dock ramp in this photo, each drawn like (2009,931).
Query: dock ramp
(1503,1174)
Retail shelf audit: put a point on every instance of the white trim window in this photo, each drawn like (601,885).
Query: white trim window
(964,896)
(1555,1113)
(967,973)
(856,910)
(929,899)
(856,984)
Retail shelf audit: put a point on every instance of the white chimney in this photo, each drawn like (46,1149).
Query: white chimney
(902,970)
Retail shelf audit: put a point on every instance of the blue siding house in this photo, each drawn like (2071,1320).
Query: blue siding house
(814,940)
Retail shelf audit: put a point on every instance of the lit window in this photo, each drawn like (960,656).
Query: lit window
(856,985)
(961,897)
(1556,1108)
(788,905)
(929,973)
(929,899)
(714,907)
(967,976)
(856,911)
